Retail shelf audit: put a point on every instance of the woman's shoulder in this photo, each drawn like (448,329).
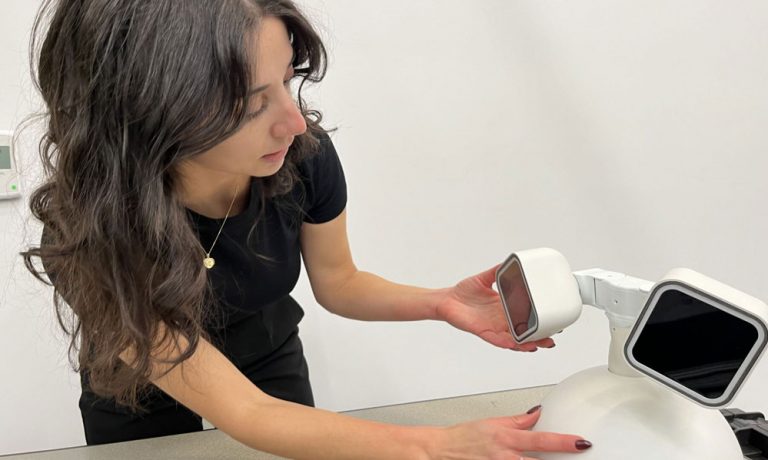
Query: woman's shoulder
(323,182)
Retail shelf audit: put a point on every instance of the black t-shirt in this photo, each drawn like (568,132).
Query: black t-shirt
(254,312)
(256,267)
(251,274)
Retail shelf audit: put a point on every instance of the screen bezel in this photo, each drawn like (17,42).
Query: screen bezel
(741,374)
(531,330)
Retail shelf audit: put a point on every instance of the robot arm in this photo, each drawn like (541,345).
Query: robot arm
(622,297)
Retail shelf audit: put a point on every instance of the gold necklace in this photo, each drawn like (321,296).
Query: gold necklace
(208,261)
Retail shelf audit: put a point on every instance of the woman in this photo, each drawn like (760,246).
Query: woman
(185,184)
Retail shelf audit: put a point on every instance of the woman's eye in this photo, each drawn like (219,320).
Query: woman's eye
(258,111)
(264,104)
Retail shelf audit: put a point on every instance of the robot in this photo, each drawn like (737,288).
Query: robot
(681,348)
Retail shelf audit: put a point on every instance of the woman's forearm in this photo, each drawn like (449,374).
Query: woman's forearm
(210,385)
(296,431)
(365,296)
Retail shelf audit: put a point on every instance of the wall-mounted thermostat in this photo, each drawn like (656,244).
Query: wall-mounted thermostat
(9,174)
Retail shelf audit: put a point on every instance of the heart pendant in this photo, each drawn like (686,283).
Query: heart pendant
(209,262)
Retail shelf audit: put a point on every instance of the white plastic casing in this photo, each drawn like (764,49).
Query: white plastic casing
(716,294)
(622,297)
(553,292)
(9,177)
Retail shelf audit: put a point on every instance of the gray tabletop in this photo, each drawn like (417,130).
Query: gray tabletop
(209,444)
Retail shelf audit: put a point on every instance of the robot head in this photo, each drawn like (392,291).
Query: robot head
(539,294)
(698,336)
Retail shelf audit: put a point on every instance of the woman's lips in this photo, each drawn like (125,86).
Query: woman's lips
(276,156)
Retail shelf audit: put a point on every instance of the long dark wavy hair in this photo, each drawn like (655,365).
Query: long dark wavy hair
(131,89)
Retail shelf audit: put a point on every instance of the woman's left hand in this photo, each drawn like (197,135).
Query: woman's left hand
(473,306)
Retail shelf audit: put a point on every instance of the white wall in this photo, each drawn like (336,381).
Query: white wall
(625,134)
(38,404)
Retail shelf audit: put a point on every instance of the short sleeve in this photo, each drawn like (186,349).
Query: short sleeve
(325,185)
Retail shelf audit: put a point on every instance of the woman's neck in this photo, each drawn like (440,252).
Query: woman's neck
(210,193)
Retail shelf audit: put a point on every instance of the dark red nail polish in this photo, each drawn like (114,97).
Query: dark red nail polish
(533,409)
(552,346)
(583,445)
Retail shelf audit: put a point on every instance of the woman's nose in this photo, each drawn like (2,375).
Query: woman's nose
(292,122)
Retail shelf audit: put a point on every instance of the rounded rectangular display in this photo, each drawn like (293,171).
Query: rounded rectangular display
(539,294)
(695,343)
(516,298)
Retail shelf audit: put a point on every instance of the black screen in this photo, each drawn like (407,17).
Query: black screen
(517,300)
(694,343)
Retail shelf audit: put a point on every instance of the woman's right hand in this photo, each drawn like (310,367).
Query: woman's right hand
(502,438)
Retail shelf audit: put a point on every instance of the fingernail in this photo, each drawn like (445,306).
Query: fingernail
(552,346)
(534,409)
(583,445)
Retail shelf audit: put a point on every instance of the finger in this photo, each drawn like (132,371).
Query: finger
(545,343)
(528,346)
(505,340)
(521,421)
(499,339)
(488,277)
(550,442)
(525,347)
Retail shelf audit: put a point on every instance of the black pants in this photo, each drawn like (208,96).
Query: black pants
(265,346)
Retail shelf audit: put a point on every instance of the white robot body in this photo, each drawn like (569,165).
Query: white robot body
(634,418)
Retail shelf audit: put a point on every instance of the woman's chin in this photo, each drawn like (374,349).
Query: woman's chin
(266,170)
